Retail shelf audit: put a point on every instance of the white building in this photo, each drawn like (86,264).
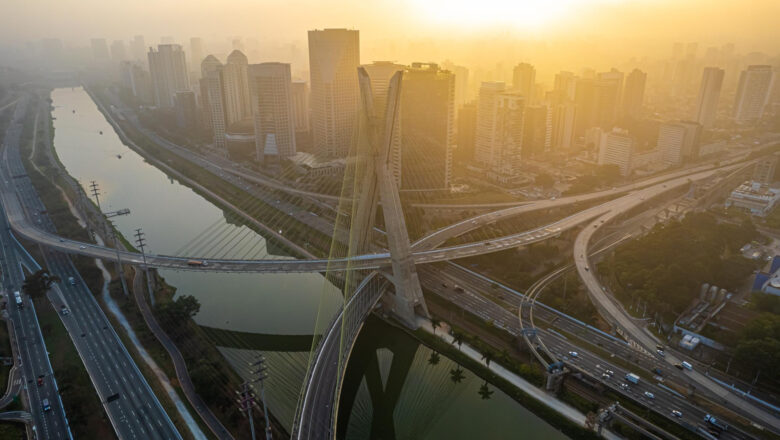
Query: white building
(617,148)
(671,143)
(334,56)
(709,94)
(272,109)
(755,85)
(754,198)
(168,70)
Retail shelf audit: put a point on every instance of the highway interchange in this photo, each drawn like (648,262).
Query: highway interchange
(21,217)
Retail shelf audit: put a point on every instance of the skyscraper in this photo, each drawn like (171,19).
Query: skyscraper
(212,98)
(562,126)
(334,56)
(499,139)
(536,130)
(186,110)
(609,87)
(168,69)
(524,81)
(138,49)
(271,102)
(427,127)
(709,94)
(196,54)
(300,97)
(467,131)
(236,88)
(634,94)
(755,85)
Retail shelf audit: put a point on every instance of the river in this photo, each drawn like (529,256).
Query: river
(274,313)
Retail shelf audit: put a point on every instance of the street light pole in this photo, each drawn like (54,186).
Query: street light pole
(140,241)
(260,376)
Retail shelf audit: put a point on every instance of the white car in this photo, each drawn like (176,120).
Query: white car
(82,247)
(649,395)
(676,413)
(573,354)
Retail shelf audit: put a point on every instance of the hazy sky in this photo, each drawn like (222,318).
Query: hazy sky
(752,24)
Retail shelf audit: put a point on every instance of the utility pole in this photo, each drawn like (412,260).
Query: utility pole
(109,230)
(140,241)
(260,376)
(95,192)
(245,402)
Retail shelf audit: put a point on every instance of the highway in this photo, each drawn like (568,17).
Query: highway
(22,224)
(628,327)
(33,357)
(467,290)
(132,407)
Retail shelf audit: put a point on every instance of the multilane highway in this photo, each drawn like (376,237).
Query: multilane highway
(132,407)
(627,326)
(37,374)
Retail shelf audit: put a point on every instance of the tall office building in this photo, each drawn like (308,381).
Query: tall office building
(135,79)
(236,88)
(168,69)
(609,87)
(709,94)
(467,132)
(334,56)
(300,98)
(634,94)
(138,49)
(427,127)
(536,131)
(196,54)
(565,86)
(617,148)
(765,170)
(212,98)
(562,127)
(499,138)
(524,81)
(270,86)
(461,83)
(755,85)
(380,73)
(585,102)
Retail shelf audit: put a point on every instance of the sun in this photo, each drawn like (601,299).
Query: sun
(523,14)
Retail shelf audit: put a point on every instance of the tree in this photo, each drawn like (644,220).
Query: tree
(434,324)
(485,392)
(434,358)
(456,375)
(457,339)
(487,356)
(180,310)
(38,283)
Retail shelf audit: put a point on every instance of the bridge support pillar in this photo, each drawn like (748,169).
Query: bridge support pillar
(555,380)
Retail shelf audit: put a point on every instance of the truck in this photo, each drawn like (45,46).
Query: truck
(18,299)
(687,365)
(715,422)
(633,378)
(71,281)
(46,405)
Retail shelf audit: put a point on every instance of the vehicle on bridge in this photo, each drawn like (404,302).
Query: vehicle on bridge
(18,299)
(197,263)
(712,420)
(45,404)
